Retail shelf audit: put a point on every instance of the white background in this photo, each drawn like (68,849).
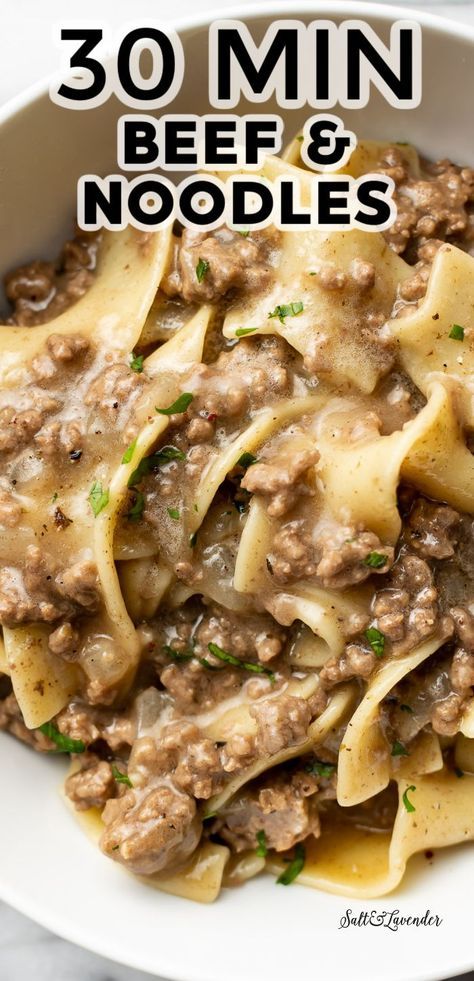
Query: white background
(27,53)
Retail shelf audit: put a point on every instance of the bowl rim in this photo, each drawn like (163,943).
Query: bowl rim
(252,11)
(352,9)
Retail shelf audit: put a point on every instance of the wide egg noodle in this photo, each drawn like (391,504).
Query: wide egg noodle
(130,266)
(365,763)
(427,352)
(329,720)
(329,327)
(352,861)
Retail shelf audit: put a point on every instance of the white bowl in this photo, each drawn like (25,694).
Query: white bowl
(49,869)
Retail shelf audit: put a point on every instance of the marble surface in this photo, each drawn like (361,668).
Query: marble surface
(27,951)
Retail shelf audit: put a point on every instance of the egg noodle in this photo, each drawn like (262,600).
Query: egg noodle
(236,542)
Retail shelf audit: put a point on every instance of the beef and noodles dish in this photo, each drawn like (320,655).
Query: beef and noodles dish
(237,538)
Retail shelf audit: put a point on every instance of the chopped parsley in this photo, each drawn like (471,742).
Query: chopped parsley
(406,708)
(300,138)
(178,406)
(294,868)
(456,333)
(242,331)
(154,461)
(178,655)
(127,456)
(408,804)
(230,659)
(286,310)
(376,640)
(174,514)
(136,363)
(261,849)
(193,539)
(202,269)
(64,743)
(136,510)
(320,769)
(246,460)
(458,771)
(121,777)
(375,560)
(244,232)
(98,498)
(398,749)
(54,497)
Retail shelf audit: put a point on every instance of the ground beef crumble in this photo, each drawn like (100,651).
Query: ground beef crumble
(41,291)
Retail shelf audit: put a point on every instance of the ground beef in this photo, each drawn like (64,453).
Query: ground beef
(238,380)
(188,632)
(407,610)
(40,291)
(11,720)
(336,560)
(61,438)
(91,723)
(17,428)
(435,205)
(281,479)
(192,760)
(64,641)
(10,510)
(284,808)
(66,347)
(43,592)
(113,388)
(431,529)
(92,785)
(281,722)
(233,262)
(357,661)
(153,826)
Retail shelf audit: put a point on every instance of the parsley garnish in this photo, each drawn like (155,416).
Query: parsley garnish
(154,461)
(406,708)
(456,333)
(193,539)
(202,269)
(245,232)
(300,139)
(136,363)
(54,497)
(242,331)
(174,513)
(127,456)
(286,310)
(98,498)
(375,560)
(320,769)
(408,804)
(230,659)
(294,868)
(246,460)
(121,777)
(180,405)
(261,849)
(376,640)
(64,743)
(177,655)
(398,749)
(136,510)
